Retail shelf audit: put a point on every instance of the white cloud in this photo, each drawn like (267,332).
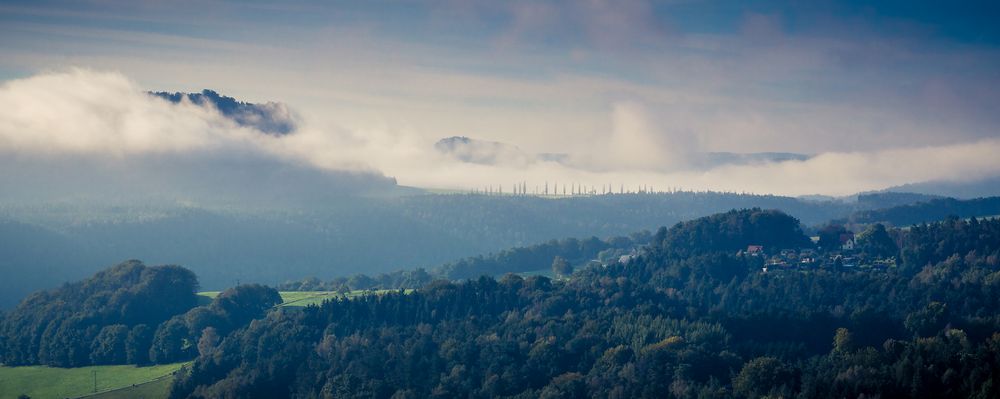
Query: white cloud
(107,116)
(847,173)
(638,140)
(85,112)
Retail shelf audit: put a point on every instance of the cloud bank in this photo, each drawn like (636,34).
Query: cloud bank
(106,116)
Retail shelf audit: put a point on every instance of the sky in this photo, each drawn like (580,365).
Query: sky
(632,92)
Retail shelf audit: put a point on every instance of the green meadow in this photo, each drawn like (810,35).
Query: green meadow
(41,382)
(305,298)
(156,389)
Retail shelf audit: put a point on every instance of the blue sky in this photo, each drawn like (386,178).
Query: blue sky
(556,76)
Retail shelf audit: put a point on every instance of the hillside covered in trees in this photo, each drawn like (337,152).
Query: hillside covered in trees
(127,314)
(690,317)
(770,228)
(533,258)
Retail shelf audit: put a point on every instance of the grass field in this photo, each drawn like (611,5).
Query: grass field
(303,298)
(543,272)
(157,389)
(306,298)
(40,382)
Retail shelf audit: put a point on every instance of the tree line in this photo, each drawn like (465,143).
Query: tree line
(531,258)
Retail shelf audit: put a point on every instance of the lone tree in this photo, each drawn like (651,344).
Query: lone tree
(876,242)
(829,236)
(560,267)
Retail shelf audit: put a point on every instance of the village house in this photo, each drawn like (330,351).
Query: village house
(847,241)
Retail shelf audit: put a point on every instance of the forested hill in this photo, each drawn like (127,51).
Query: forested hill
(534,258)
(733,231)
(926,211)
(730,231)
(127,314)
(704,323)
(46,327)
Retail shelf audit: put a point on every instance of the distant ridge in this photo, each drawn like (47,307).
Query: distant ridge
(928,211)
(988,187)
